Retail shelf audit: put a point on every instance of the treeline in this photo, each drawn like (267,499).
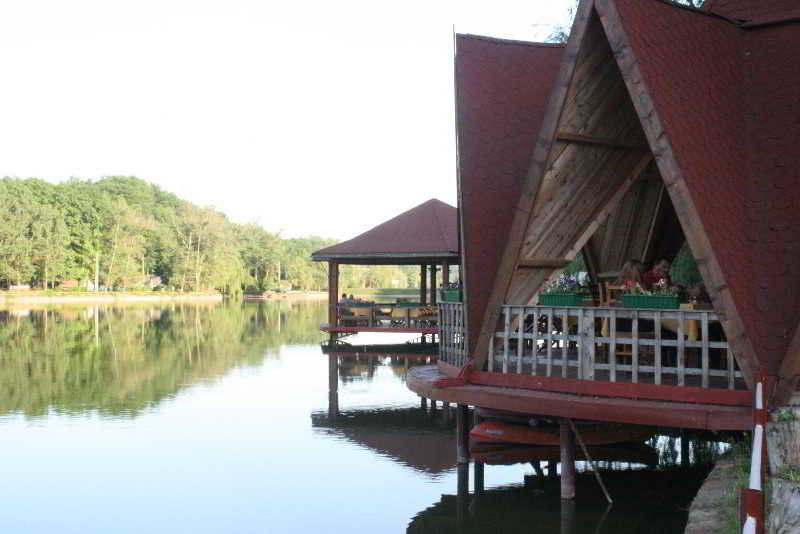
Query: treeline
(126,234)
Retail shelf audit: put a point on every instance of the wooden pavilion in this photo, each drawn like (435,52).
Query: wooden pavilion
(426,235)
(656,125)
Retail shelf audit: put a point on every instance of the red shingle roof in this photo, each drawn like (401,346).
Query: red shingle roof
(755,11)
(728,100)
(502,89)
(428,230)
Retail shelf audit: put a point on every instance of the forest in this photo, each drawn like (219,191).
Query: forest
(123,233)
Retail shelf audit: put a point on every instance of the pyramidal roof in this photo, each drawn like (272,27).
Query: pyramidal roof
(425,231)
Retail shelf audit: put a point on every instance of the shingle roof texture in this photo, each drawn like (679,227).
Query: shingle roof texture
(754,11)
(502,89)
(431,227)
(729,100)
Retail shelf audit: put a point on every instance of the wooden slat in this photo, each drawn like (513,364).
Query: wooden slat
(543,263)
(491,355)
(657,329)
(565,342)
(731,380)
(590,354)
(635,348)
(601,141)
(507,334)
(612,347)
(681,355)
(704,353)
(581,344)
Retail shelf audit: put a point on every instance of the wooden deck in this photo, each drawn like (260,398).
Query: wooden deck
(608,408)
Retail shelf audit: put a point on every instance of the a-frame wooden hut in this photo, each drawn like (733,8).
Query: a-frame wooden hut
(662,125)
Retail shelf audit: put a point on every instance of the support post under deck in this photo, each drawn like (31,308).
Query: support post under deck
(567,460)
(462,434)
(423,284)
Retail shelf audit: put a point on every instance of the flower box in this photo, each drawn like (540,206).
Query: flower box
(561,299)
(449,295)
(661,302)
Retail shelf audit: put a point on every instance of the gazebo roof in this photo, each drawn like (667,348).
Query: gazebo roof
(426,233)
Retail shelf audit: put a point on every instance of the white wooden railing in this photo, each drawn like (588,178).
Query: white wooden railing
(587,343)
(451,333)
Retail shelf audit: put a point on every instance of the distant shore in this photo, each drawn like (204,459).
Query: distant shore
(46,297)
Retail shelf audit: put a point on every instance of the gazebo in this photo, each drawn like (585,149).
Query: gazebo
(426,235)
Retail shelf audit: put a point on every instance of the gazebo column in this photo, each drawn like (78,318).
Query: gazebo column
(445,274)
(433,284)
(333,292)
(423,284)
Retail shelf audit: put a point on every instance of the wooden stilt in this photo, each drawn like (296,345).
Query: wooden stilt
(462,434)
(433,285)
(333,386)
(567,460)
(462,496)
(478,483)
(333,293)
(552,468)
(684,449)
(568,517)
(423,284)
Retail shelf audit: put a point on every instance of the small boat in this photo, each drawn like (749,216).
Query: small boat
(504,454)
(591,433)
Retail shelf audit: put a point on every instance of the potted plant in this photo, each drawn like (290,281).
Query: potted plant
(564,291)
(662,296)
(451,293)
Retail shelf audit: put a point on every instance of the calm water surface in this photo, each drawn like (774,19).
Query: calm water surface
(214,418)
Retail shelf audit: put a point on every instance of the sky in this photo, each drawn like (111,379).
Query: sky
(309,118)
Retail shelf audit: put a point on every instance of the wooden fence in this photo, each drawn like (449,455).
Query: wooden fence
(451,333)
(673,347)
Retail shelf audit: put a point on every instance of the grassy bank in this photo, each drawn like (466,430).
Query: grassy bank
(382,292)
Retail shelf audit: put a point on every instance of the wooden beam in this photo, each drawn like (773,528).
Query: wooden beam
(543,263)
(671,173)
(533,180)
(333,293)
(423,284)
(600,141)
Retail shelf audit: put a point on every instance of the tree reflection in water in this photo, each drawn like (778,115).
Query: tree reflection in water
(121,360)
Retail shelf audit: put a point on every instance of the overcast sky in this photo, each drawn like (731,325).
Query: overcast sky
(320,118)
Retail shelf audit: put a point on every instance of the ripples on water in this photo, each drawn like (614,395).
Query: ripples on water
(216,418)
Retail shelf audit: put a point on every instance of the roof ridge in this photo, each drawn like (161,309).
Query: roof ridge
(510,41)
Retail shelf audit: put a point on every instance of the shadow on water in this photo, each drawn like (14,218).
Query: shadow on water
(121,360)
(651,500)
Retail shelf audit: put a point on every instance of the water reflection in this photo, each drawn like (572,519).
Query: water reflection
(652,501)
(413,437)
(120,360)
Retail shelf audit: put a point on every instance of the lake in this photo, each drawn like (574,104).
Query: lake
(192,417)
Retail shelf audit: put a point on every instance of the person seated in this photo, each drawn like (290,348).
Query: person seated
(344,301)
(659,272)
(630,274)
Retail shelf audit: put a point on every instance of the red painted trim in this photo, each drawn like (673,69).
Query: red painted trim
(356,329)
(752,504)
(614,389)
(461,380)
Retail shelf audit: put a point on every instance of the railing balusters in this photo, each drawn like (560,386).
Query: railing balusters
(657,330)
(635,347)
(681,354)
(507,334)
(581,344)
(589,352)
(612,347)
(564,342)
(492,358)
(704,355)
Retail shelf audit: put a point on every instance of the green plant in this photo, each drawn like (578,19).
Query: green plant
(564,285)
(783,416)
